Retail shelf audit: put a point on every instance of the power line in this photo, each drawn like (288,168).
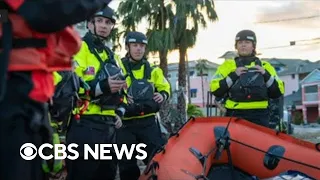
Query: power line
(285,46)
(289,19)
(313,39)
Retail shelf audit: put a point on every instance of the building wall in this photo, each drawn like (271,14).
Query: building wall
(291,83)
(195,83)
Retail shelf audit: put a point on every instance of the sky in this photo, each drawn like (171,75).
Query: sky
(234,16)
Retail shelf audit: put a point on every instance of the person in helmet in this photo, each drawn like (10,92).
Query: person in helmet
(248,82)
(147,90)
(97,118)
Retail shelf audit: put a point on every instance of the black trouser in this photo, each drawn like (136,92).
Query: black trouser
(257,116)
(136,131)
(17,113)
(92,129)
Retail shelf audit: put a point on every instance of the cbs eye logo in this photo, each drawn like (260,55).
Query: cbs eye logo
(28,151)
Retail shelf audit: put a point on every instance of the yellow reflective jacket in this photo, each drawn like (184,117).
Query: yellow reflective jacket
(87,67)
(157,79)
(56,78)
(224,78)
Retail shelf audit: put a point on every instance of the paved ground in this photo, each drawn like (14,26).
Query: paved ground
(309,132)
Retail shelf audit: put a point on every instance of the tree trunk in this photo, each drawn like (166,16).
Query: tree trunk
(164,62)
(182,85)
(165,109)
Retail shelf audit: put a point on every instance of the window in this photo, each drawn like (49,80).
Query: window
(169,75)
(193,93)
(279,69)
(191,73)
(204,73)
(311,89)
(293,76)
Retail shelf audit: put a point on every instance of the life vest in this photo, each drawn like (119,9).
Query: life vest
(29,50)
(108,68)
(140,90)
(250,86)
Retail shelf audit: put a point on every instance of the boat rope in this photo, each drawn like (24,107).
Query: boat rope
(237,118)
(230,161)
(288,159)
(224,139)
(203,159)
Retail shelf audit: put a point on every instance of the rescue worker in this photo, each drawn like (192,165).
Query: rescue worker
(248,82)
(96,122)
(29,54)
(147,89)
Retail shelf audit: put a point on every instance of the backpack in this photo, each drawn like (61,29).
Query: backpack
(250,86)
(65,96)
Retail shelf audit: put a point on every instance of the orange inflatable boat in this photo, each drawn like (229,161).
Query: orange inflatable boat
(231,148)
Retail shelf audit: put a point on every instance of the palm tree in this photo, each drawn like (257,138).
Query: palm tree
(194,110)
(190,14)
(202,66)
(132,12)
(161,40)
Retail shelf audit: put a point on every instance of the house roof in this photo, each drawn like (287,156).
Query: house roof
(314,76)
(192,64)
(229,54)
(294,98)
(293,66)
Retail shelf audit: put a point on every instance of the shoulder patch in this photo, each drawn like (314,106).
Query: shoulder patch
(89,71)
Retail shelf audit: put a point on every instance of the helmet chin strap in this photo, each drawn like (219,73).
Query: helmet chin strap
(248,55)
